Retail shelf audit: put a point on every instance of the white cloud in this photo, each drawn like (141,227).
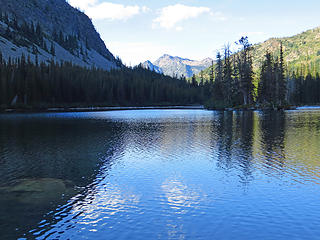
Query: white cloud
(133,53)
(171,15)
(82,4)
(108,10)
(145,9)
(219,16)
(112,11)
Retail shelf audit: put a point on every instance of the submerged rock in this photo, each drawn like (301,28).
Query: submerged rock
(41,191)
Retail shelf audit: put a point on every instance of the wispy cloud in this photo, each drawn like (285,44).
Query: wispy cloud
(108,10)
(133,53)
(218,16)
(171,15)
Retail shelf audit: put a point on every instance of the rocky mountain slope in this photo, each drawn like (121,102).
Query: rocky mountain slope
(149,65)
(301,52)
(178,67)
(51,29)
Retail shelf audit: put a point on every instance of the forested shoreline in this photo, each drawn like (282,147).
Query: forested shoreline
(233,84)
(25,84)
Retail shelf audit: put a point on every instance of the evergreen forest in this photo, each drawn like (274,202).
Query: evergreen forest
(235,80)
(24,84)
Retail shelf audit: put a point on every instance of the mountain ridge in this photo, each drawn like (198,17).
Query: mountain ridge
(175,66)
(149,65)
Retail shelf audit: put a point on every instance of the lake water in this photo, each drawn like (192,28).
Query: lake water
(160,174)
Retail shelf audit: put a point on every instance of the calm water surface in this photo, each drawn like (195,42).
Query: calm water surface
(160,174)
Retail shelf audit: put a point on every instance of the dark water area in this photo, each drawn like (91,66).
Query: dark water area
(160,174)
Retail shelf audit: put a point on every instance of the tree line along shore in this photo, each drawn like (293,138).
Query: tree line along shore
(233,83)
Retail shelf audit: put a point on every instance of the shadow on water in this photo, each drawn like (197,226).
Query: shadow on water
(45,161)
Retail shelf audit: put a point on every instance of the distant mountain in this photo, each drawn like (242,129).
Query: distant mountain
(51,29)
(151,67)
(178,67)
(301,52)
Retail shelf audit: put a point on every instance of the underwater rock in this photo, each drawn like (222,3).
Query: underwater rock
(41,191)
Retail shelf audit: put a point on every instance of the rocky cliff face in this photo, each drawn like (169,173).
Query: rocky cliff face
(149,65)
(69,31)
(178,67)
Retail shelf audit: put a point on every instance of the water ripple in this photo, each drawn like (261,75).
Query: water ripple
(160,174)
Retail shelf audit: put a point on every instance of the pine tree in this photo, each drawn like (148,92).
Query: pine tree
(282,90)
(61,40)
(201,78)
(245,69)
(194,81)
(219,67)
(227,76)
(34,50)
(212,73)
(44,46)
(8,33)
(87,44)
(52,50)
(6,18)
(266,88)
(38,30)
(217,89)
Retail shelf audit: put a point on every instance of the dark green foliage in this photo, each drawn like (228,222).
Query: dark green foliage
(218,84)
(226,91)
(70,42)
(267,84)
(282,83)
(245,69)
(24,34)
(193,81)
(303,89)
(52,50)
(211,73)
(27,34)
(233,84)
(300,53)
(65,84)
(228,81)
(277,89)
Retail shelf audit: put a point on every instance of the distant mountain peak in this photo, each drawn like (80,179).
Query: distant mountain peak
(177,66)
(149,65)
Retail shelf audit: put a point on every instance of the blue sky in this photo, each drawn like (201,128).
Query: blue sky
(139,30)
